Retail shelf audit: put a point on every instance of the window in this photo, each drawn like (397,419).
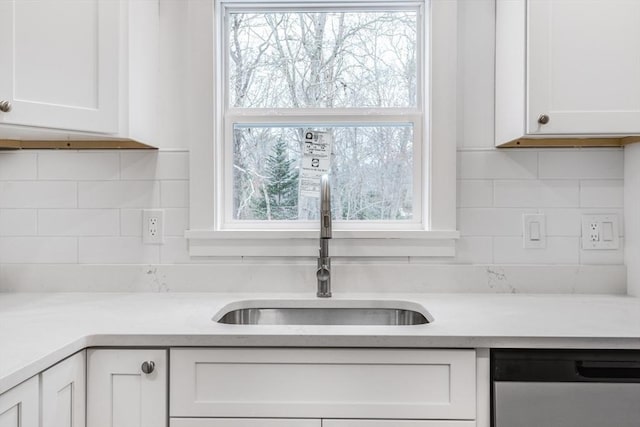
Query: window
(356,72)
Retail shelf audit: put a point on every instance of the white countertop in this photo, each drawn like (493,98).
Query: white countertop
(39,329)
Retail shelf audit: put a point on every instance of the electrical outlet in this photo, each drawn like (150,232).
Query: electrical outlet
(594,231)
(600,232)
(153,226)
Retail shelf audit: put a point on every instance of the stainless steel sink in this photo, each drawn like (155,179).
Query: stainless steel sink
(315,312)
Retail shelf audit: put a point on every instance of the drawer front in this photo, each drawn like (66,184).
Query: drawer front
(323,383)
(243,422)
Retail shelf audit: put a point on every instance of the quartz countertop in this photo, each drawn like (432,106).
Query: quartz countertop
(39,329)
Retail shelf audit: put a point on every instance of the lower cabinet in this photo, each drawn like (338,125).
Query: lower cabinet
(19,407)
(250,387)
(324,383)
(63,393)
(57,396)
(126,388)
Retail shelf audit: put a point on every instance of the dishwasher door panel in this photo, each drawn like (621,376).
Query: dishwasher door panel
(566,404)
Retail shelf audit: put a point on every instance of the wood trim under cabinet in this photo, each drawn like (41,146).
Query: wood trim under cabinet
(571,142)
(104,144)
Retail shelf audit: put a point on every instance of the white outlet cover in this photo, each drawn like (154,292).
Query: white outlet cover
(153,220)
(588,243)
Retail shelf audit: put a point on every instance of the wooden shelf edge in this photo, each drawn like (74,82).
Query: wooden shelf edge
(619,141)
(103,144)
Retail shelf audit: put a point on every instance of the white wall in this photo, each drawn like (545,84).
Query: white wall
(632,213)
(72,220)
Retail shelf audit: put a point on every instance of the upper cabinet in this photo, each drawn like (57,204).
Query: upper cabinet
(75,69)
(567,72)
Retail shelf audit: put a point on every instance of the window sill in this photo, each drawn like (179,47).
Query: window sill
(304,243)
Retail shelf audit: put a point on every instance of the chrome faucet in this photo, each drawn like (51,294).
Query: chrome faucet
(324,261)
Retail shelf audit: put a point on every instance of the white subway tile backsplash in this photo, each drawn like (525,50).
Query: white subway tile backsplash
(498,164)
(131,222)
(563,222)
(474,250)
(18,222)
(475,193)
(491,221)
(155,165)
(543,193)
(175,251)
(38,194)
(602,194)
(585,164)
(86,208)
(78,222)
(559,250)
(603,257)
(176,221)
(119,194)
(174,194)
(18,165)
(117,250)
(38,250)
(78,166)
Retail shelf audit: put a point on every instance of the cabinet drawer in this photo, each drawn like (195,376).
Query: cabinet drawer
(243,422)
(323,383)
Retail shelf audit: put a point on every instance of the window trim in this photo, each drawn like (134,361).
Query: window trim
(207,237)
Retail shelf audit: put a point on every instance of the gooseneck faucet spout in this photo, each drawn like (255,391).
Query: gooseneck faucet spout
(324,261)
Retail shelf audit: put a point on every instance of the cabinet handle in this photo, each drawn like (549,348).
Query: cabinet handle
(5,106)
(543,119)
(148,367)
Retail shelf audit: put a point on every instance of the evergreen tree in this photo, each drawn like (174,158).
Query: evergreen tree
(279,195)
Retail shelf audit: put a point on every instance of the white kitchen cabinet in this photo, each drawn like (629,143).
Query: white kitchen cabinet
(567,68)
(120,394)
(73,66)
(244,422)
(323,383)
(63,393)
(20,406)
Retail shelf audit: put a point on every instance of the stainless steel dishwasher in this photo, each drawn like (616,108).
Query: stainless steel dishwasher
(565,388)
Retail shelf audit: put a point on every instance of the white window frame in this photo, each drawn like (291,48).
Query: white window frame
(210,234)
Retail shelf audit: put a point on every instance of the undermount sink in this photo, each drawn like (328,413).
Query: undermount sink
(324,312)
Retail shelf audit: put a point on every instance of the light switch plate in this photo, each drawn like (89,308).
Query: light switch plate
(600,232)
(534,231)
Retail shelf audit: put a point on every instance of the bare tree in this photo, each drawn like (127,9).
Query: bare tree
(327,60)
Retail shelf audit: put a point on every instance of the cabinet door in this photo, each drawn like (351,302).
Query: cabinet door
(19,407)
(244,422)
(584,66)
(119,394)
(60,63)
(63,393)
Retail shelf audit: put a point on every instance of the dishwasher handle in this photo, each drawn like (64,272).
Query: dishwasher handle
(620,369)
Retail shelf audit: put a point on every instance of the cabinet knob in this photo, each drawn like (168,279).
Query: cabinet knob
(5,106)
(543,119)
(148,367)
